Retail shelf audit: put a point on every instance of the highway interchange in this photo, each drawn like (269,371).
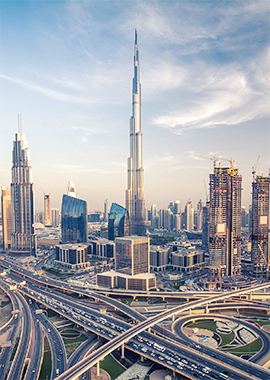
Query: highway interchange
(177,353)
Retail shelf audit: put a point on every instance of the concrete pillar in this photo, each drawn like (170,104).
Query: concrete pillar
(173,318)
(206,309)
(98,369)
(122,351)
(189,311)
(250,296)
(142,358)
(149,329)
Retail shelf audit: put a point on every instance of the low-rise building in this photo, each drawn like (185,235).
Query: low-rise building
(159,258)
(186,260)
(112,279)
(72,256)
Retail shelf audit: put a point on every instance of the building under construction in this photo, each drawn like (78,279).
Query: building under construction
(260,255)
(225,221)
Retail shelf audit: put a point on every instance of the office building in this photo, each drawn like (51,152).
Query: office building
(187,260)
(205,226)
(72,256)
(225,221)
(153,215)
(199,215)
(244,217)
(189,216)
(260,254)
(132,255)
(55,217)
(135,203)
(6,218)
(73,220)
(112,279)
(118,222)
(106,211)
(102,248)
(159,258)
(177,207)
(47,211)
(23,237)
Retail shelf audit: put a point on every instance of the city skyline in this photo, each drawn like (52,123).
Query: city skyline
(67,68)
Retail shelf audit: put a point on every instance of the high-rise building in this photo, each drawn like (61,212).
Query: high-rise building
(23,237)
(55,217)
(106,210)
(260,236)
(189,216)
(205,225)
(153,215)
(47,211)
(225,220)
(132,255)
(73,220)
(6,218)
(135,203)
(199,215)
(118,222)
(244,217)
(177,207)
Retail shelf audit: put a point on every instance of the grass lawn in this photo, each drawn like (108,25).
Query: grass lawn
(141,299)
(226,338)
(248,348)
(46,366)
(4,303)
(110,365)
(176,285)
(127,301)
(80,338)
(208,325)
(14,349)
(263,323)
(51,313)
(70,331)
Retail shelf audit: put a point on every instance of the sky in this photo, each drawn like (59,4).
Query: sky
(67,67)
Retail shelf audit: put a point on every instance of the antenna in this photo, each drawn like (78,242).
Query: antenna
(18,123)
(21,122)
(136,20)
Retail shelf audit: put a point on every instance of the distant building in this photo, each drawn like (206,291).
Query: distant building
(118,222)
(6,218)
(55,217)
(244,217)
(106,210)
(225,221)
(94,217)
(189,216)
(132,255)
(112,279)
(187,260)
(47,211)
(73,220)
(199,215)
(159,258)
(205,225)
(23,237)
(73,256)
(102,248)
(260,237)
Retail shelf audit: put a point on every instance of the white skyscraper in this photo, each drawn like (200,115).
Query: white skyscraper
(135,202)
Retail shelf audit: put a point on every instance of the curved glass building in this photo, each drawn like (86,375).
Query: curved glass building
(73,220)
(118,222)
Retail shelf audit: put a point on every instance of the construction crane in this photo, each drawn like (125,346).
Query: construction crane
(255,167)
(218,159)
(206,193)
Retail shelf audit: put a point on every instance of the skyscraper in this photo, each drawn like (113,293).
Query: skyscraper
(47,211)
(132,255)
(23,238)
(106,211)
(118,222)
(55,217)
(225,220)
(6,218)
(71,189)
(189,216)
(199,215)
(74,220)
(260,236)
(135,203)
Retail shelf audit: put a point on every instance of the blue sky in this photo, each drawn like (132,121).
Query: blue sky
(67,67)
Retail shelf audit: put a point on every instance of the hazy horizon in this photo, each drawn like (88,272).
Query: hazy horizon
(67,67)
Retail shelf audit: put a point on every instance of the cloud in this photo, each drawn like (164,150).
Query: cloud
(91,130)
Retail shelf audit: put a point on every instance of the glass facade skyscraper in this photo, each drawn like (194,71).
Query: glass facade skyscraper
(73,220)
(118,222)
(23,238)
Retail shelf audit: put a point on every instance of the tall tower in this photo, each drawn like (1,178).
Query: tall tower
(260,235)
(6,218)
(135,203)
(47,211)
(225,220)
(23,237)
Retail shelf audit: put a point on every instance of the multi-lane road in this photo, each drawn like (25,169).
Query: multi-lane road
(171,352)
